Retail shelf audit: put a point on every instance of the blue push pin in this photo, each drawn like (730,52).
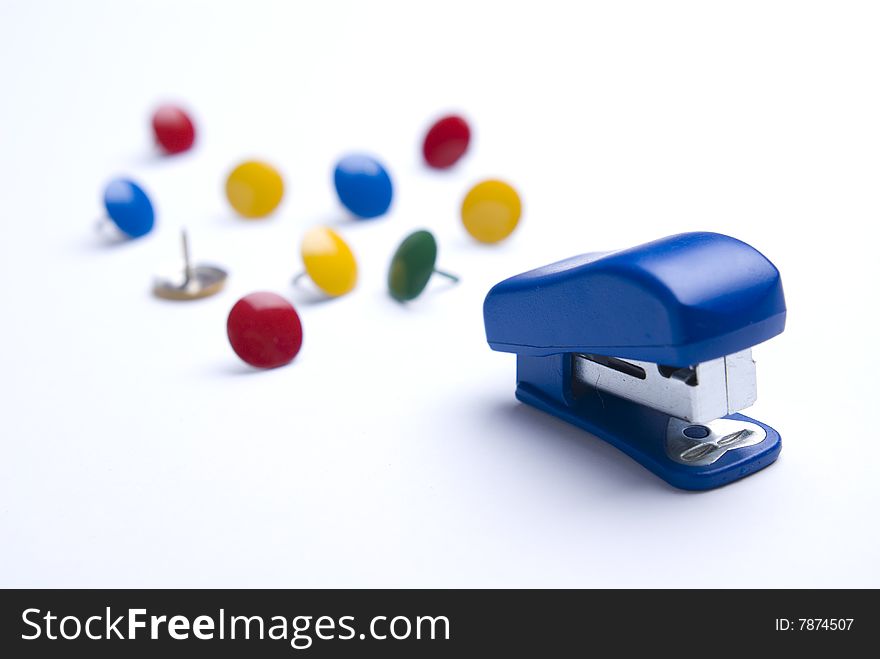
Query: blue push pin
(363,186)
(129,207)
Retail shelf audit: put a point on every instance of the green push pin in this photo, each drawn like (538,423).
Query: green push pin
(412,266)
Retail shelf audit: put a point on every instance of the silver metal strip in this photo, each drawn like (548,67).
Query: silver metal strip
(697,394)
(703,444)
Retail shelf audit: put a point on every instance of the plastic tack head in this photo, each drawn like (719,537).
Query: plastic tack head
(129,207)
(491,211)
(329,261)
(363,186)
(412,266)
(254,189)
(173,128)
(264,330)
(446,142)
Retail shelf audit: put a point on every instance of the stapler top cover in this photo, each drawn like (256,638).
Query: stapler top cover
(680,300)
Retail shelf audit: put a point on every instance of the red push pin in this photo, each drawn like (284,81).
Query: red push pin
(446,142)
(174,130)
(264,330)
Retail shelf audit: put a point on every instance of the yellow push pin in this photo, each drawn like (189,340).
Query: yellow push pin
(193,282)
(254,189)
(491,211)
(329,262)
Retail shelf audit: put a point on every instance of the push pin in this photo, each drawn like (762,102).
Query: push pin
(412,266)
(264,330)
(329,262)
(446,142)
(193,282)
(129,208)
(173,129)
(649,349)
(491,211)
(254,189)
(363,186)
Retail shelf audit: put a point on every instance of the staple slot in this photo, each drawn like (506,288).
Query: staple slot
(618,365)
(686,374)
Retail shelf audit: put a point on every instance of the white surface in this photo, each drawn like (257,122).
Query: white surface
(138,451)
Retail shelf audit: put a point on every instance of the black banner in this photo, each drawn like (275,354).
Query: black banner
(429,623)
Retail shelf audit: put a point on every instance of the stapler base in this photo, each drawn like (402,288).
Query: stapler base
(719,452)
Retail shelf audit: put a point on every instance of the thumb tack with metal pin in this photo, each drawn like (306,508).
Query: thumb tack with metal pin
(363,186)
(173,129)
(264,330)
(329,262)
(491,210)
(254,189)
(129,208)
(412,266)
(446,142)
(193,282)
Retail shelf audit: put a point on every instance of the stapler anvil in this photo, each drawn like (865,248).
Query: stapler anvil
(649,348)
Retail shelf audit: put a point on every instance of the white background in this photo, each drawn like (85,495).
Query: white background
(137,450)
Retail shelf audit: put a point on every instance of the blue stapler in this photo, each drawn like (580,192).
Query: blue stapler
(649,348)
